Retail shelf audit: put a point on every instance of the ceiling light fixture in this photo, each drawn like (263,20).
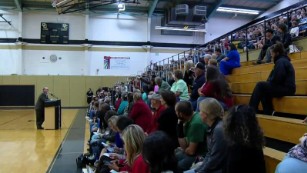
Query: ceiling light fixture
(237,10)
(121,6)
(180,29)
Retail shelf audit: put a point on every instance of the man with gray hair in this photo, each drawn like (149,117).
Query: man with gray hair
(39,108)
(163,86)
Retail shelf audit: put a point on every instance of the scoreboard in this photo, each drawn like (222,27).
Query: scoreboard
(54,33)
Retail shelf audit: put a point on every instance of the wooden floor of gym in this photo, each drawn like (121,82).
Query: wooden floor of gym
(25,149)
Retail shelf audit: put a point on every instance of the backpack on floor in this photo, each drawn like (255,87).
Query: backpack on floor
(81,161)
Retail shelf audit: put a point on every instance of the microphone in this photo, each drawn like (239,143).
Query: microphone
(53,95)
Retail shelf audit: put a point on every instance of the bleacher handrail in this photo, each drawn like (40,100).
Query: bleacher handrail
(230,34)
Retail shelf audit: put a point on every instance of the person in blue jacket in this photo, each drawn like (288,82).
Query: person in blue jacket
(295,160)
(231,61)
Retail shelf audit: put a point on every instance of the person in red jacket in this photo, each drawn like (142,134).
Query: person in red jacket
(156,104)
(216,87)
(140,112)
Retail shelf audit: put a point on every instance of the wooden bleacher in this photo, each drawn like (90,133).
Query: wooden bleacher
(294,127)
(288,104)
(272,158)
(300,74)
(258,68)
(242,82)
(248,87)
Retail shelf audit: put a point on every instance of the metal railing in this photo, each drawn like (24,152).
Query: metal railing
(247,38)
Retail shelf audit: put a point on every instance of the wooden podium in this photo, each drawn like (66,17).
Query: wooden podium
(52,114)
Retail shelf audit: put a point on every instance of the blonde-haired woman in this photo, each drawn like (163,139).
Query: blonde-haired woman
(133,137)
(211,113)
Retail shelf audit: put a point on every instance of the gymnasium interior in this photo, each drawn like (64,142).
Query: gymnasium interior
(71,46)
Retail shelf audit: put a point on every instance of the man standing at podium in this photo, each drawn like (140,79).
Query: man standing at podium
(39,108)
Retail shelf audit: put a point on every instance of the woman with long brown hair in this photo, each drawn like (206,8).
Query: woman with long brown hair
(245,141)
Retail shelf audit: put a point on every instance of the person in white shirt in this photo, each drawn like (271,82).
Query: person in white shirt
(295,29)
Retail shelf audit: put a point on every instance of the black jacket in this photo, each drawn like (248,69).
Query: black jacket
(283,74)
(41,101)
(167,123)
(269,43)
(198,82)
(286,40)
(188,78)
(243,159)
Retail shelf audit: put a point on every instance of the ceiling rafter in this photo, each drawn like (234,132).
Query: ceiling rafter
(152,7)
(214,7)
(18,4)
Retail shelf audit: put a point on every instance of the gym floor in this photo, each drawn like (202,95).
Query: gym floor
(25,149)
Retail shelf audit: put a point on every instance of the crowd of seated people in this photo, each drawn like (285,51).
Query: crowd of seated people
(192,122)
(295,25)
(179,124)
(179,140)
(255,37)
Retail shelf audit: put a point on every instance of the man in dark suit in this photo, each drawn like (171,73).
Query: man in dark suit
(39,108)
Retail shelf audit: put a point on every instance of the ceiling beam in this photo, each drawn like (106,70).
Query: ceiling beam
(214,7)
(36,5)
(152,7)
(18,4)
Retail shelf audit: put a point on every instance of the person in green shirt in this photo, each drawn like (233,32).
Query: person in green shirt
(123,104)
(163,86)
(179,87)
(191,135)
(145,94)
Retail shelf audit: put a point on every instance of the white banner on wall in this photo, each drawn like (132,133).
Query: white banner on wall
(117,63)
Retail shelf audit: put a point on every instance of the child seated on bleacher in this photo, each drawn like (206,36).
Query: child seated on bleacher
(107,134)
(92,108)
(101,136)
(113,150)
(133,137)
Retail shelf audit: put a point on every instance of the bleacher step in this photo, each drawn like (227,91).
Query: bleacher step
(272,158)
(264,67)
(300,74)
(248,87)
(288,104)
(283,129)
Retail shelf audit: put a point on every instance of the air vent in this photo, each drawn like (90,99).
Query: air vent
(199,10)
(182,10)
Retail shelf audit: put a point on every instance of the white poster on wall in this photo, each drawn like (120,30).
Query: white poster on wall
(117,63)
